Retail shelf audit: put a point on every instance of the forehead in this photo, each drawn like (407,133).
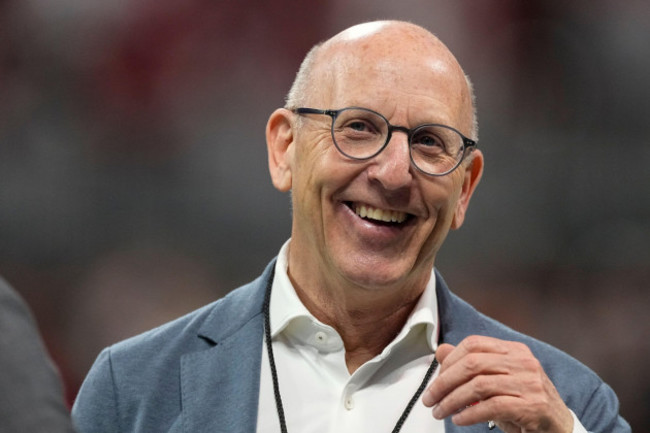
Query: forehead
(392,72)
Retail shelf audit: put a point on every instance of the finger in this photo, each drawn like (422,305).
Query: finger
(443,351)
(476,391)
(465,370)
(537,406)
(485,411)
(513,414)
(475,344)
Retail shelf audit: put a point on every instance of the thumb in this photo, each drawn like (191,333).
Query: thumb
(443,351)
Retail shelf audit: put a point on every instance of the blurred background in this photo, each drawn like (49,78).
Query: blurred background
(134,184)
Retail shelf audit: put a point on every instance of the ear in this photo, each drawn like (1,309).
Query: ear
(279,142)
(473,174)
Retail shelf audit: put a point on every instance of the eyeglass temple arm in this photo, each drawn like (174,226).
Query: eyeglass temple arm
(304,110)
(469,143)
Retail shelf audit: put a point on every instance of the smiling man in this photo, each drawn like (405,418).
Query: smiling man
(351,329)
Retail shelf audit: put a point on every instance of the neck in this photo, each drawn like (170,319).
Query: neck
(366,320)
(276,386)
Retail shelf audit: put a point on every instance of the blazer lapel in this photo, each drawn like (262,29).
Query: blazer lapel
(457,320)
(220,385)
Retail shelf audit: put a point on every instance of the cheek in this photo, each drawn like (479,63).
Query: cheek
(442,194)
(437,232)
(309,152)
(321,168)
(312,175)
(442,200)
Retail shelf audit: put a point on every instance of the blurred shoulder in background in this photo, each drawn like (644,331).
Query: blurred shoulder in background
(31,393)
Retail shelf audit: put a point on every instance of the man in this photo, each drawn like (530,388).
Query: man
(31,394)
(377,146)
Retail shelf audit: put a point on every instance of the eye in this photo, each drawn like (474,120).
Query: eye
(429,139)
(359,132)
(358,125)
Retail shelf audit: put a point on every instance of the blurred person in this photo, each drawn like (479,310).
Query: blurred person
(351,328)
(31,391)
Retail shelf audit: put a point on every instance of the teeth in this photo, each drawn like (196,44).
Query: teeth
(380,214)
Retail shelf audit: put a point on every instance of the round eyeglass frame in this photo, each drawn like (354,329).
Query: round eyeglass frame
(467,143)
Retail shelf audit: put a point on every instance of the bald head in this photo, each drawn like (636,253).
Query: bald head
(375,48)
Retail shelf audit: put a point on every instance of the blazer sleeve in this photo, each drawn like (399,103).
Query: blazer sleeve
(96,407)
(601,413)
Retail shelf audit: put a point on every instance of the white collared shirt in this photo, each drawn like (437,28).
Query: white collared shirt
(319,394)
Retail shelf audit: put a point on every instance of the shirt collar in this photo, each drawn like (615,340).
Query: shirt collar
(285,304)
(286,307)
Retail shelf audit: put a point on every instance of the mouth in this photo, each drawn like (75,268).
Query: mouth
(378,215)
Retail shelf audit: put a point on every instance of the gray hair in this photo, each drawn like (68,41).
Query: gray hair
(297,95)
(472,100)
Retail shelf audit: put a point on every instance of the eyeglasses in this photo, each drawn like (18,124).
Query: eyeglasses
(361,134)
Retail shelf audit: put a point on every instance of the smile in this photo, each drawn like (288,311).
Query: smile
(376,214)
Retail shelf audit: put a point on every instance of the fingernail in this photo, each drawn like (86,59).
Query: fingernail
(437,412)
(427,398)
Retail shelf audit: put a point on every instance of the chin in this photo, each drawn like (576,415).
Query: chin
(374,276)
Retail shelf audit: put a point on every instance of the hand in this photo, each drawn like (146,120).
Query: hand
(485,378)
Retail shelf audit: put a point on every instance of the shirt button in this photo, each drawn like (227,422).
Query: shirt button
(349,403)
(321,337)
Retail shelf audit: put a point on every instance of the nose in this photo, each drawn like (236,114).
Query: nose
(392,167)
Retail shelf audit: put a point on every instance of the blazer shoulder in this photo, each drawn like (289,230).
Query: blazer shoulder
(459,319)
(580,387)
(138,381)
(203,327)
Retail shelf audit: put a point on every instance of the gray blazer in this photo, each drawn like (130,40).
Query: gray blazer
(201,372)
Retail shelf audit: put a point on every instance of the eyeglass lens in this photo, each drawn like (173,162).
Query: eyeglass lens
(362,134)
